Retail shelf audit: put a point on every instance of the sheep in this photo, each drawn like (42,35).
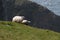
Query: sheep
(20,19)
(17,19)
(25,21)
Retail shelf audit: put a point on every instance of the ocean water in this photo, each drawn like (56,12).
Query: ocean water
(53,5)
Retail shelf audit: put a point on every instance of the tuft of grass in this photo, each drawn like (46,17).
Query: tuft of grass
(16,31)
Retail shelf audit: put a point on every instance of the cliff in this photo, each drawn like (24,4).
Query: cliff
(40,16)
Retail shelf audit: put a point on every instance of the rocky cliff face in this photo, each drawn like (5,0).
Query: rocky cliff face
(1,9)
(39,16)
(8,7)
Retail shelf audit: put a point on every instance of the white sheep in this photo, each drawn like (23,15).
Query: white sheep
(25,21)
(17,19)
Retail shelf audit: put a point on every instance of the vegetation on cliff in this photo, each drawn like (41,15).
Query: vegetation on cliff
(17,31)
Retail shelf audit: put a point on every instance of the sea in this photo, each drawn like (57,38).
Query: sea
(53,5)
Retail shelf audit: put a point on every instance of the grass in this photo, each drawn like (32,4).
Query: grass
(16,31)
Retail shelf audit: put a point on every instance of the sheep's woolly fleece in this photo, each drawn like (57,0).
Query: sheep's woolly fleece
(17,18)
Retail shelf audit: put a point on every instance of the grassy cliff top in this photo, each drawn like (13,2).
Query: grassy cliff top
(16,31)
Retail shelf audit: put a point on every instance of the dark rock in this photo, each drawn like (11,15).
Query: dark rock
(8,7)
(1,10)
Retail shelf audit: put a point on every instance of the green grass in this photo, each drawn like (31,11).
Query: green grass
(16,31)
